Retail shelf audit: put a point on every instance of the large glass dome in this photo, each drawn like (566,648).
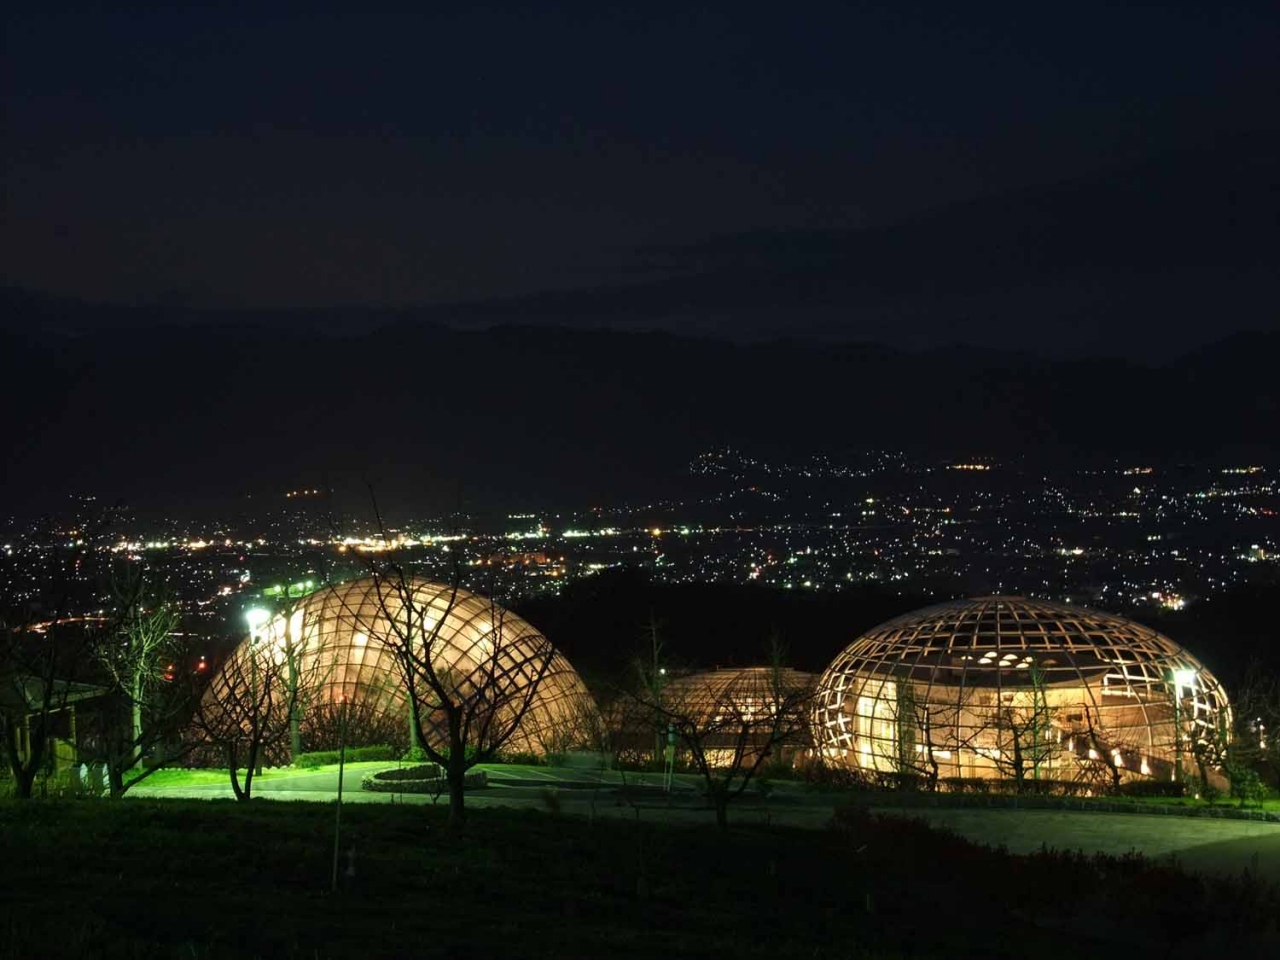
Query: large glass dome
(1007,687)
(336,635)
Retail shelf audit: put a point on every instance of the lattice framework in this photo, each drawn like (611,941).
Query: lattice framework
(339,633)
(973,688)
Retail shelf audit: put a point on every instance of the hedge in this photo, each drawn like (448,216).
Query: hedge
(320,758)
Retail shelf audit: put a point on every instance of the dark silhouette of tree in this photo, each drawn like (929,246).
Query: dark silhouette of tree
(251,706)
(45,659)
(467,695)
(730,723)
(152,688)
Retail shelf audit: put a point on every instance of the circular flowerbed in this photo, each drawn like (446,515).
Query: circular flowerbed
(420,778)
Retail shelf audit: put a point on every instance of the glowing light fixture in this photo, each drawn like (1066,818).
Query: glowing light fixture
(257,618)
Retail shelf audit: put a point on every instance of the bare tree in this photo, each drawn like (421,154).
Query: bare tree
(152,688)
(730,726)
(244,712)
(468,689)
(38,692)
(44,661)
(1017,731)
(467,700)
(925,734)
(1254,759)
(1235,749)
(251,707)
(278,608)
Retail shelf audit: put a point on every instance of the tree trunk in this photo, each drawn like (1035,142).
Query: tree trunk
(135,726)
(231,769)
(252,768)
(115,780)
(25,769)
(415,743)
(457,772)
(295,714)
(25,781)
(721,801)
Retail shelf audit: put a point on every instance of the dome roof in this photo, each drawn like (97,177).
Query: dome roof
(990,640)
(709,690)
(969,680)
(340,634)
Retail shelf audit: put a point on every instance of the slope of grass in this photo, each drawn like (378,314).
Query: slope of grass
(214,879)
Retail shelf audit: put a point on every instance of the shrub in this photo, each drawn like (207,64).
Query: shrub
(525,758)
(1246,785)
(320,758)
(1151,788)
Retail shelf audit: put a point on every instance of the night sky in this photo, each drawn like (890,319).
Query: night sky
(739,171)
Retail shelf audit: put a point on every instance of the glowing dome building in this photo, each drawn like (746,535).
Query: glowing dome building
(738,709)
(336,639)
(1007,687)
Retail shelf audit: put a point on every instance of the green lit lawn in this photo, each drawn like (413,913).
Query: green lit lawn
(180,778)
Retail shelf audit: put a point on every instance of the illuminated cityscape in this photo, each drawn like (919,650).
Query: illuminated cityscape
(638,480)
(1126,537)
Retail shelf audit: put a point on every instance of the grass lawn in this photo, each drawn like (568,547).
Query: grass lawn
(1219,846)
(197,879)
(175,778)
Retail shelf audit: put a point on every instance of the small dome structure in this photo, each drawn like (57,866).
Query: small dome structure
(1008,687)
(748,693)
(339,642)
(735,713)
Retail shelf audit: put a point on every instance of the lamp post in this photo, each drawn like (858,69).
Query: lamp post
(1181,678)
(290,646)
(257,618)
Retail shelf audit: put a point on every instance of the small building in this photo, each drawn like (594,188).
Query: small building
(27,697)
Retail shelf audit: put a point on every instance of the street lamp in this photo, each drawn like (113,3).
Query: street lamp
(257,618)
(1181,678)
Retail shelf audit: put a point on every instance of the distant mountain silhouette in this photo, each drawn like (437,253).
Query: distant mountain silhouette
(552,415)
(1138,261)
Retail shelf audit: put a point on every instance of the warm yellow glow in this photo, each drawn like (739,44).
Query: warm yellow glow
(343,635)
(1005,687)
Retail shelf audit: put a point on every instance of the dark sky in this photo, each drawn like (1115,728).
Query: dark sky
(251,160)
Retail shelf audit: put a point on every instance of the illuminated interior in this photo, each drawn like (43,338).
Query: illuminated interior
(338,634)
(1007,687)
(733,709)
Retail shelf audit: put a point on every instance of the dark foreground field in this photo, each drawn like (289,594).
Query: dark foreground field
(199,879)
